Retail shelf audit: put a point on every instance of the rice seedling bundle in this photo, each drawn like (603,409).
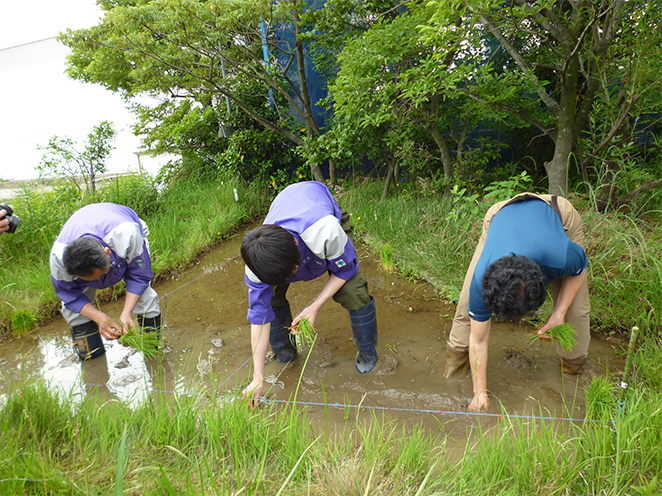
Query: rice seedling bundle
(564,334)
(386,258)
(305,334)
(147,342)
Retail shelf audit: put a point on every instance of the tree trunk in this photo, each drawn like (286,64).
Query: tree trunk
(317,173)
(93,184)
(439,140)
(389,179)
(557,168)
(311,125)
(332,171)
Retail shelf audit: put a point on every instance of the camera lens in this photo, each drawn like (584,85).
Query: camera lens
(14,220)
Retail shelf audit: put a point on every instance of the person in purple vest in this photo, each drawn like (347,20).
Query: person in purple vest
(304,235)
(100,245)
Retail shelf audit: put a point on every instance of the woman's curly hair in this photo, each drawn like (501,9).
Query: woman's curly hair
(514,286)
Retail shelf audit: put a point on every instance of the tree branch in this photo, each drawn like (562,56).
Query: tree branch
(517,57)
(522,115)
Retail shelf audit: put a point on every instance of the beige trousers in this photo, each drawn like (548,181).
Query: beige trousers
(579,312)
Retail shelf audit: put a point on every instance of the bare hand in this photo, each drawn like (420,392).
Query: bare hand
(127,320)
(110,329)
(553,321)
(4,223)
(309,313)
(253,391)
(480,402)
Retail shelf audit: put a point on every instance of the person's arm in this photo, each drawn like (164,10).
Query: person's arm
(259,345)
(569,288)
(331,287)
(126,317)
(108,328)
(478,341)
(4,223)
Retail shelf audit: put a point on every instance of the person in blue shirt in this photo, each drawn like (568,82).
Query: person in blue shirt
(528,243)
(304,236)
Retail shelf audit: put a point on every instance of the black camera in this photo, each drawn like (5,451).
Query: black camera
(14,220)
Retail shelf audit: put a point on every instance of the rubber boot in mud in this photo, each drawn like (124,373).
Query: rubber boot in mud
(279,336)
(457,362)
(150,324)
(572,366)
(364,331)
(87,340)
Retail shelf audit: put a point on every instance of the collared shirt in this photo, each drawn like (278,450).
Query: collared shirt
(533,229)
(117,227)
(308,211)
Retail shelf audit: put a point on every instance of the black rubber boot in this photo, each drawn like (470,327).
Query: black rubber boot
(87,340)
(364,331)
(279,336)
(150,324)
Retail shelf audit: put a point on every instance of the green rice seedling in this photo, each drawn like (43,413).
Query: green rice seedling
(147,342)
(386,257)
(564,334)
(305,334)
(600,398)
(23,321)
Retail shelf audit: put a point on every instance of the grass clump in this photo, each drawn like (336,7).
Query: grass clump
(600,398)
(563,334)
(23,321)
(386,257)
(304,334)
(147,342)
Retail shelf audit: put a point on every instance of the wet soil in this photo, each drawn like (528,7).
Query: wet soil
(207,350)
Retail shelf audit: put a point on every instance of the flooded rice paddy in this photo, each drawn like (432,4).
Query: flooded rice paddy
(207,351)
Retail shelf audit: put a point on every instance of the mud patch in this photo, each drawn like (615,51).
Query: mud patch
(514,358)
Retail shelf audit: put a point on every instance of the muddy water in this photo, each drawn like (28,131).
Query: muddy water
(207,350)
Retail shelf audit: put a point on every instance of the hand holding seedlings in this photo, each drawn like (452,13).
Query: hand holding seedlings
(147,342)
(564,334)
(303,334)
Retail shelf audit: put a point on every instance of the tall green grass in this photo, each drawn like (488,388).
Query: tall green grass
(625,270)
(184,219)
(196,445)
(432,237)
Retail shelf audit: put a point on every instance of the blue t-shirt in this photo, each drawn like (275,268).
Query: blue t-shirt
(533,229)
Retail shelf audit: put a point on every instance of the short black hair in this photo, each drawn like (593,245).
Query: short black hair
(514,286)
(83,255)
(271,252)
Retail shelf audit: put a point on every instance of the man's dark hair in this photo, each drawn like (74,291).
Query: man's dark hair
(514,286)
(83,255)
(271,252)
